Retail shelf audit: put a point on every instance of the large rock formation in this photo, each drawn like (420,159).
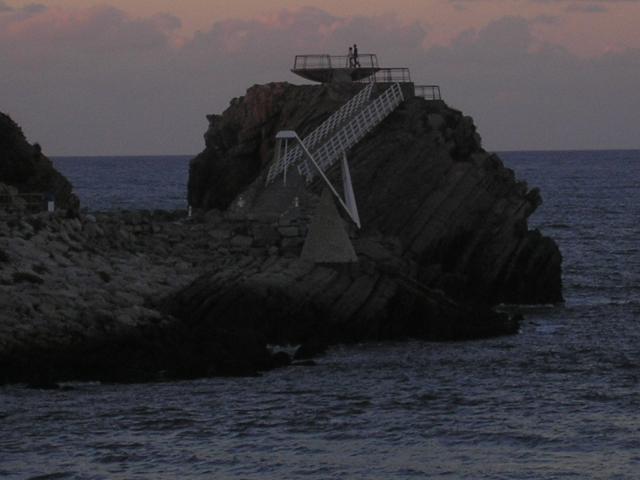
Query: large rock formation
(444,235)
(420,177)
(25,168)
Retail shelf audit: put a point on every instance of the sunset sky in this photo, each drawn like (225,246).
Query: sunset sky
(138,76)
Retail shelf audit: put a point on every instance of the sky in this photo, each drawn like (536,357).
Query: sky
(138,77)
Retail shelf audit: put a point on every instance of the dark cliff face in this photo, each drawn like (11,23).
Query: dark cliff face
(424,177)
(421,176)
(23,166)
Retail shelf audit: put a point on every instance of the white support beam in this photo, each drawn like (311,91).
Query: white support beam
(332,140)
(353,215)
(347,189)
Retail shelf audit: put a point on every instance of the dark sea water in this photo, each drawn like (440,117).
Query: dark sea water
(559,400)
(133,183)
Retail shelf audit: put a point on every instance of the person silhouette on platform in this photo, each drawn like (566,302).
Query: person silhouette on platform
(350,57)
(356,61)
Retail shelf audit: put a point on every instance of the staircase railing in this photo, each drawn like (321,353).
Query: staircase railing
(353,128)
(353,131)
(338,118)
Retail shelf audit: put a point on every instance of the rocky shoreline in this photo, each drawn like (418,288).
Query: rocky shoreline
(94,297)
(68,283)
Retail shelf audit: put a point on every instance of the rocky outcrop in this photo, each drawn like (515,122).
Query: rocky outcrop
(292,302)
(420,177)
(444,235)
(138,295)
(24,167)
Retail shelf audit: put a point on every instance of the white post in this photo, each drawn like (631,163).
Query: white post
(347,189)
(51,202)
(326,180)
(286,144)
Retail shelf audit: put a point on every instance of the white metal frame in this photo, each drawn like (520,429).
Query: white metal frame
(349,202)
(340,132)
(354,130)
(338,118)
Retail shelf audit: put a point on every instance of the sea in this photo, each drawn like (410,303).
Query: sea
(561,399)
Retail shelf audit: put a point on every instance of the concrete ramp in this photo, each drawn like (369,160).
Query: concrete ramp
(327,240)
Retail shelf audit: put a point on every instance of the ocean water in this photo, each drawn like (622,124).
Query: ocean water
(559,400)
(128,183)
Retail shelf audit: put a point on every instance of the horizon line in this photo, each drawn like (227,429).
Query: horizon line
(532,150)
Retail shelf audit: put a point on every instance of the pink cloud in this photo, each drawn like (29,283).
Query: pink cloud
(101,28)
(308,29)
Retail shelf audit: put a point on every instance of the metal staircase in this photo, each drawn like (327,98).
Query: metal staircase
(345,128)
(330,142)
(339,117)
(353,131)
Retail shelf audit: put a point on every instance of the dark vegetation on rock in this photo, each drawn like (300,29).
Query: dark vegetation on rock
(23,166)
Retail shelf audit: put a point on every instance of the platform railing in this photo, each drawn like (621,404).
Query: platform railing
(389,75)
(310,62)
(428,92)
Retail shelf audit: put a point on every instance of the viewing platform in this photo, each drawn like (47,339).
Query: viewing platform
(335,68)
(364,68)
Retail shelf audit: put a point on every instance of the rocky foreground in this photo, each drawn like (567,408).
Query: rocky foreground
(80,295)
(94,297)
(136,296)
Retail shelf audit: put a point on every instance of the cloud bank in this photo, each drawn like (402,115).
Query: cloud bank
(99,81)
